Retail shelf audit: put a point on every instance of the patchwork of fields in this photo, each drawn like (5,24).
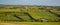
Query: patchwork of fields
(30,15)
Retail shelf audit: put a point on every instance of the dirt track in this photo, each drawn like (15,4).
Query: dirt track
(12,24)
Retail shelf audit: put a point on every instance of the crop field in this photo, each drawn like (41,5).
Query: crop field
(31,15)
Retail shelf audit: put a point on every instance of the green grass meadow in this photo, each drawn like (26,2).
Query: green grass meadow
(7,14)
(35,23)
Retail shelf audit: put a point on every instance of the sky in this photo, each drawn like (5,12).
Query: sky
(32,2)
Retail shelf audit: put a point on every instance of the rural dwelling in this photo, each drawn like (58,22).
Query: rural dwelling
(43,20)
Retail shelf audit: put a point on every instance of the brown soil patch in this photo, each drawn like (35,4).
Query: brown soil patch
(12,24)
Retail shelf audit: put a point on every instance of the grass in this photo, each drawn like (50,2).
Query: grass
(42,23)
(36,23)
(35,13)
(41,14)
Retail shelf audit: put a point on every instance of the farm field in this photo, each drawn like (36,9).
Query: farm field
(29,15)
(35,14)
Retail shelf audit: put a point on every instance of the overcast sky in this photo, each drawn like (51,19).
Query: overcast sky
(32,2)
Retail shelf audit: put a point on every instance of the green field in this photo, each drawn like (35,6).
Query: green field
(36,23)
(40,23)
(35,13)
(7,15)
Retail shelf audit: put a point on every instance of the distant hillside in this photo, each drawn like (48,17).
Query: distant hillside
(37,12)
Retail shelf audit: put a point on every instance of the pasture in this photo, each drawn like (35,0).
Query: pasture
(30,15)
(30,23)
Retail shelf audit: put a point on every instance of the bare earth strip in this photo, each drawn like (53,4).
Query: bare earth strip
(12,24)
